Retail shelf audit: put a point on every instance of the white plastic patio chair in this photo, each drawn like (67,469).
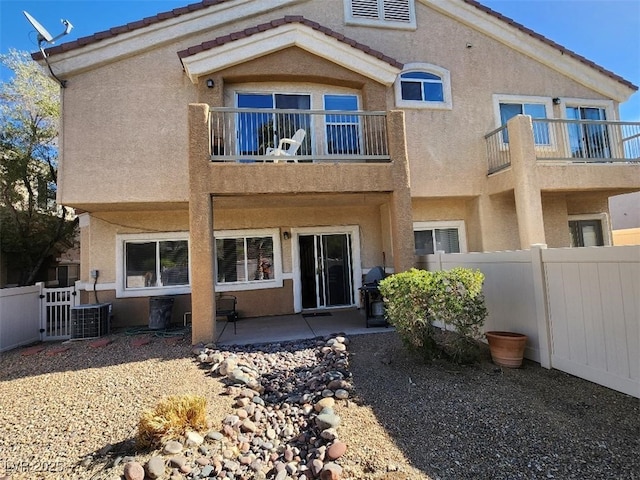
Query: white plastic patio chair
(293,143)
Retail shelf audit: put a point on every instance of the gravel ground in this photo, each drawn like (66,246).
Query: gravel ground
(406,420)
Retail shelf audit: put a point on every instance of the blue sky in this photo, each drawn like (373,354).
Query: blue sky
(605,31)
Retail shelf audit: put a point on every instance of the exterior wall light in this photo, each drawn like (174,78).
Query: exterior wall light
(556,101)
(210,83)
(286,235)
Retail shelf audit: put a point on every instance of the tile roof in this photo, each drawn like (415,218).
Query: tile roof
(284,21)
(96,37)
(129,27)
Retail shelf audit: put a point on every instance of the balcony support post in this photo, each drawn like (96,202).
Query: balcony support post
(400,204)
(526,188)
(201,228)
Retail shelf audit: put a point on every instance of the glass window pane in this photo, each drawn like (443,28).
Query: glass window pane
(260,258)
(230,260)
(255,100)
(423,240)
(411,90)
(340,102)
(447,240)
(508,111)
(592,113)
(535,110)
(174,262)
(244,259)
(589,236)
(433,92)
(573,113)
(140,265)
(293,101)
(420,75)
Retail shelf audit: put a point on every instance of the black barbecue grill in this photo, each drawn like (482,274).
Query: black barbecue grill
(373,304)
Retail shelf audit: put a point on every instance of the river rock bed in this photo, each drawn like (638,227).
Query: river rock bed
(283,425)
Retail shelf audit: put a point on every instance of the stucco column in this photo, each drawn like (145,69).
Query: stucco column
(201,228)
(400,203)
(526,189)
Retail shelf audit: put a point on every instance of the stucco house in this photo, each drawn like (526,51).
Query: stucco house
(427,125)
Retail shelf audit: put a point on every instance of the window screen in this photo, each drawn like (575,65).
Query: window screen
(428,242)
(156,263)
(244,259)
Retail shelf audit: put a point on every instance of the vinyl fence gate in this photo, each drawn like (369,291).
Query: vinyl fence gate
(55,323)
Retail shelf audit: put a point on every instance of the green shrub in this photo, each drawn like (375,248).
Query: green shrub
(416,299)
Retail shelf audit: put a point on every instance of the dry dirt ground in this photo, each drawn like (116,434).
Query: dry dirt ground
(406,420)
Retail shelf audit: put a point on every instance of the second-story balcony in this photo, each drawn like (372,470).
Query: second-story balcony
(247,136)
(570,141)
(566,154)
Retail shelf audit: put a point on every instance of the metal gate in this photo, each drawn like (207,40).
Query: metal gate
(55,323)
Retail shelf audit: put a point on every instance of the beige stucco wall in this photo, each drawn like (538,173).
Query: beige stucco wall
(142,150)
(126,145)
(100,250)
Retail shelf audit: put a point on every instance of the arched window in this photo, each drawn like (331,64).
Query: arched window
(423,86)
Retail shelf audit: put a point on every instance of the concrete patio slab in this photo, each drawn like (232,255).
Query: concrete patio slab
(295,327)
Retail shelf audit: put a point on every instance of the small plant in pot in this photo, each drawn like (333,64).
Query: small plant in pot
(437,314)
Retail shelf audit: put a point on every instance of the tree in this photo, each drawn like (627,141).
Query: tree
(32,226)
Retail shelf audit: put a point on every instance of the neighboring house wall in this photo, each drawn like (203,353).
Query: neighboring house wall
(625,219)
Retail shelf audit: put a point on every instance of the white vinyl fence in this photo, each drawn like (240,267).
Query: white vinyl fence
(19,316)
(30,314)
(580,307)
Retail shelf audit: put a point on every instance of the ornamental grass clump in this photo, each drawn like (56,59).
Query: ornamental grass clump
(437,313)
(172,417)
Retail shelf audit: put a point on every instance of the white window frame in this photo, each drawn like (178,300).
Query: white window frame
(443,73)
(523,99)
(276,268)
(380,22)
(607,105)
(604,223)
(121,269)
(444,224)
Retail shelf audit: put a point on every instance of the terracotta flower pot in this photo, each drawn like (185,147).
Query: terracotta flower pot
(507,348)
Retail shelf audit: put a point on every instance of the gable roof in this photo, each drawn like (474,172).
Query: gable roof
(285,32)
(438,4)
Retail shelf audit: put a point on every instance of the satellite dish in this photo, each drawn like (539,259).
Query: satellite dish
(43,34)
(45,37)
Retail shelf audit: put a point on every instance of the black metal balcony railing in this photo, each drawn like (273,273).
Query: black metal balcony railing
(498,153)
(573,141)
(593,141)
(253,135)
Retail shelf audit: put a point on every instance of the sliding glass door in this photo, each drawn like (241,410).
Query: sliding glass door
(588,140)
(325,270)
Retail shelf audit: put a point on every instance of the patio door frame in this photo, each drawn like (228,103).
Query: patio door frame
(356,267)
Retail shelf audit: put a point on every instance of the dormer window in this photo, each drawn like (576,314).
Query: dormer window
(422,85)
(381,13)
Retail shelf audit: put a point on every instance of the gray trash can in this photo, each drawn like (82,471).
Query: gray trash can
(160,312)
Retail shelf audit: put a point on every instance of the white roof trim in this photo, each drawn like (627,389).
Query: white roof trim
(538,50)
(285,36)
(159,33)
